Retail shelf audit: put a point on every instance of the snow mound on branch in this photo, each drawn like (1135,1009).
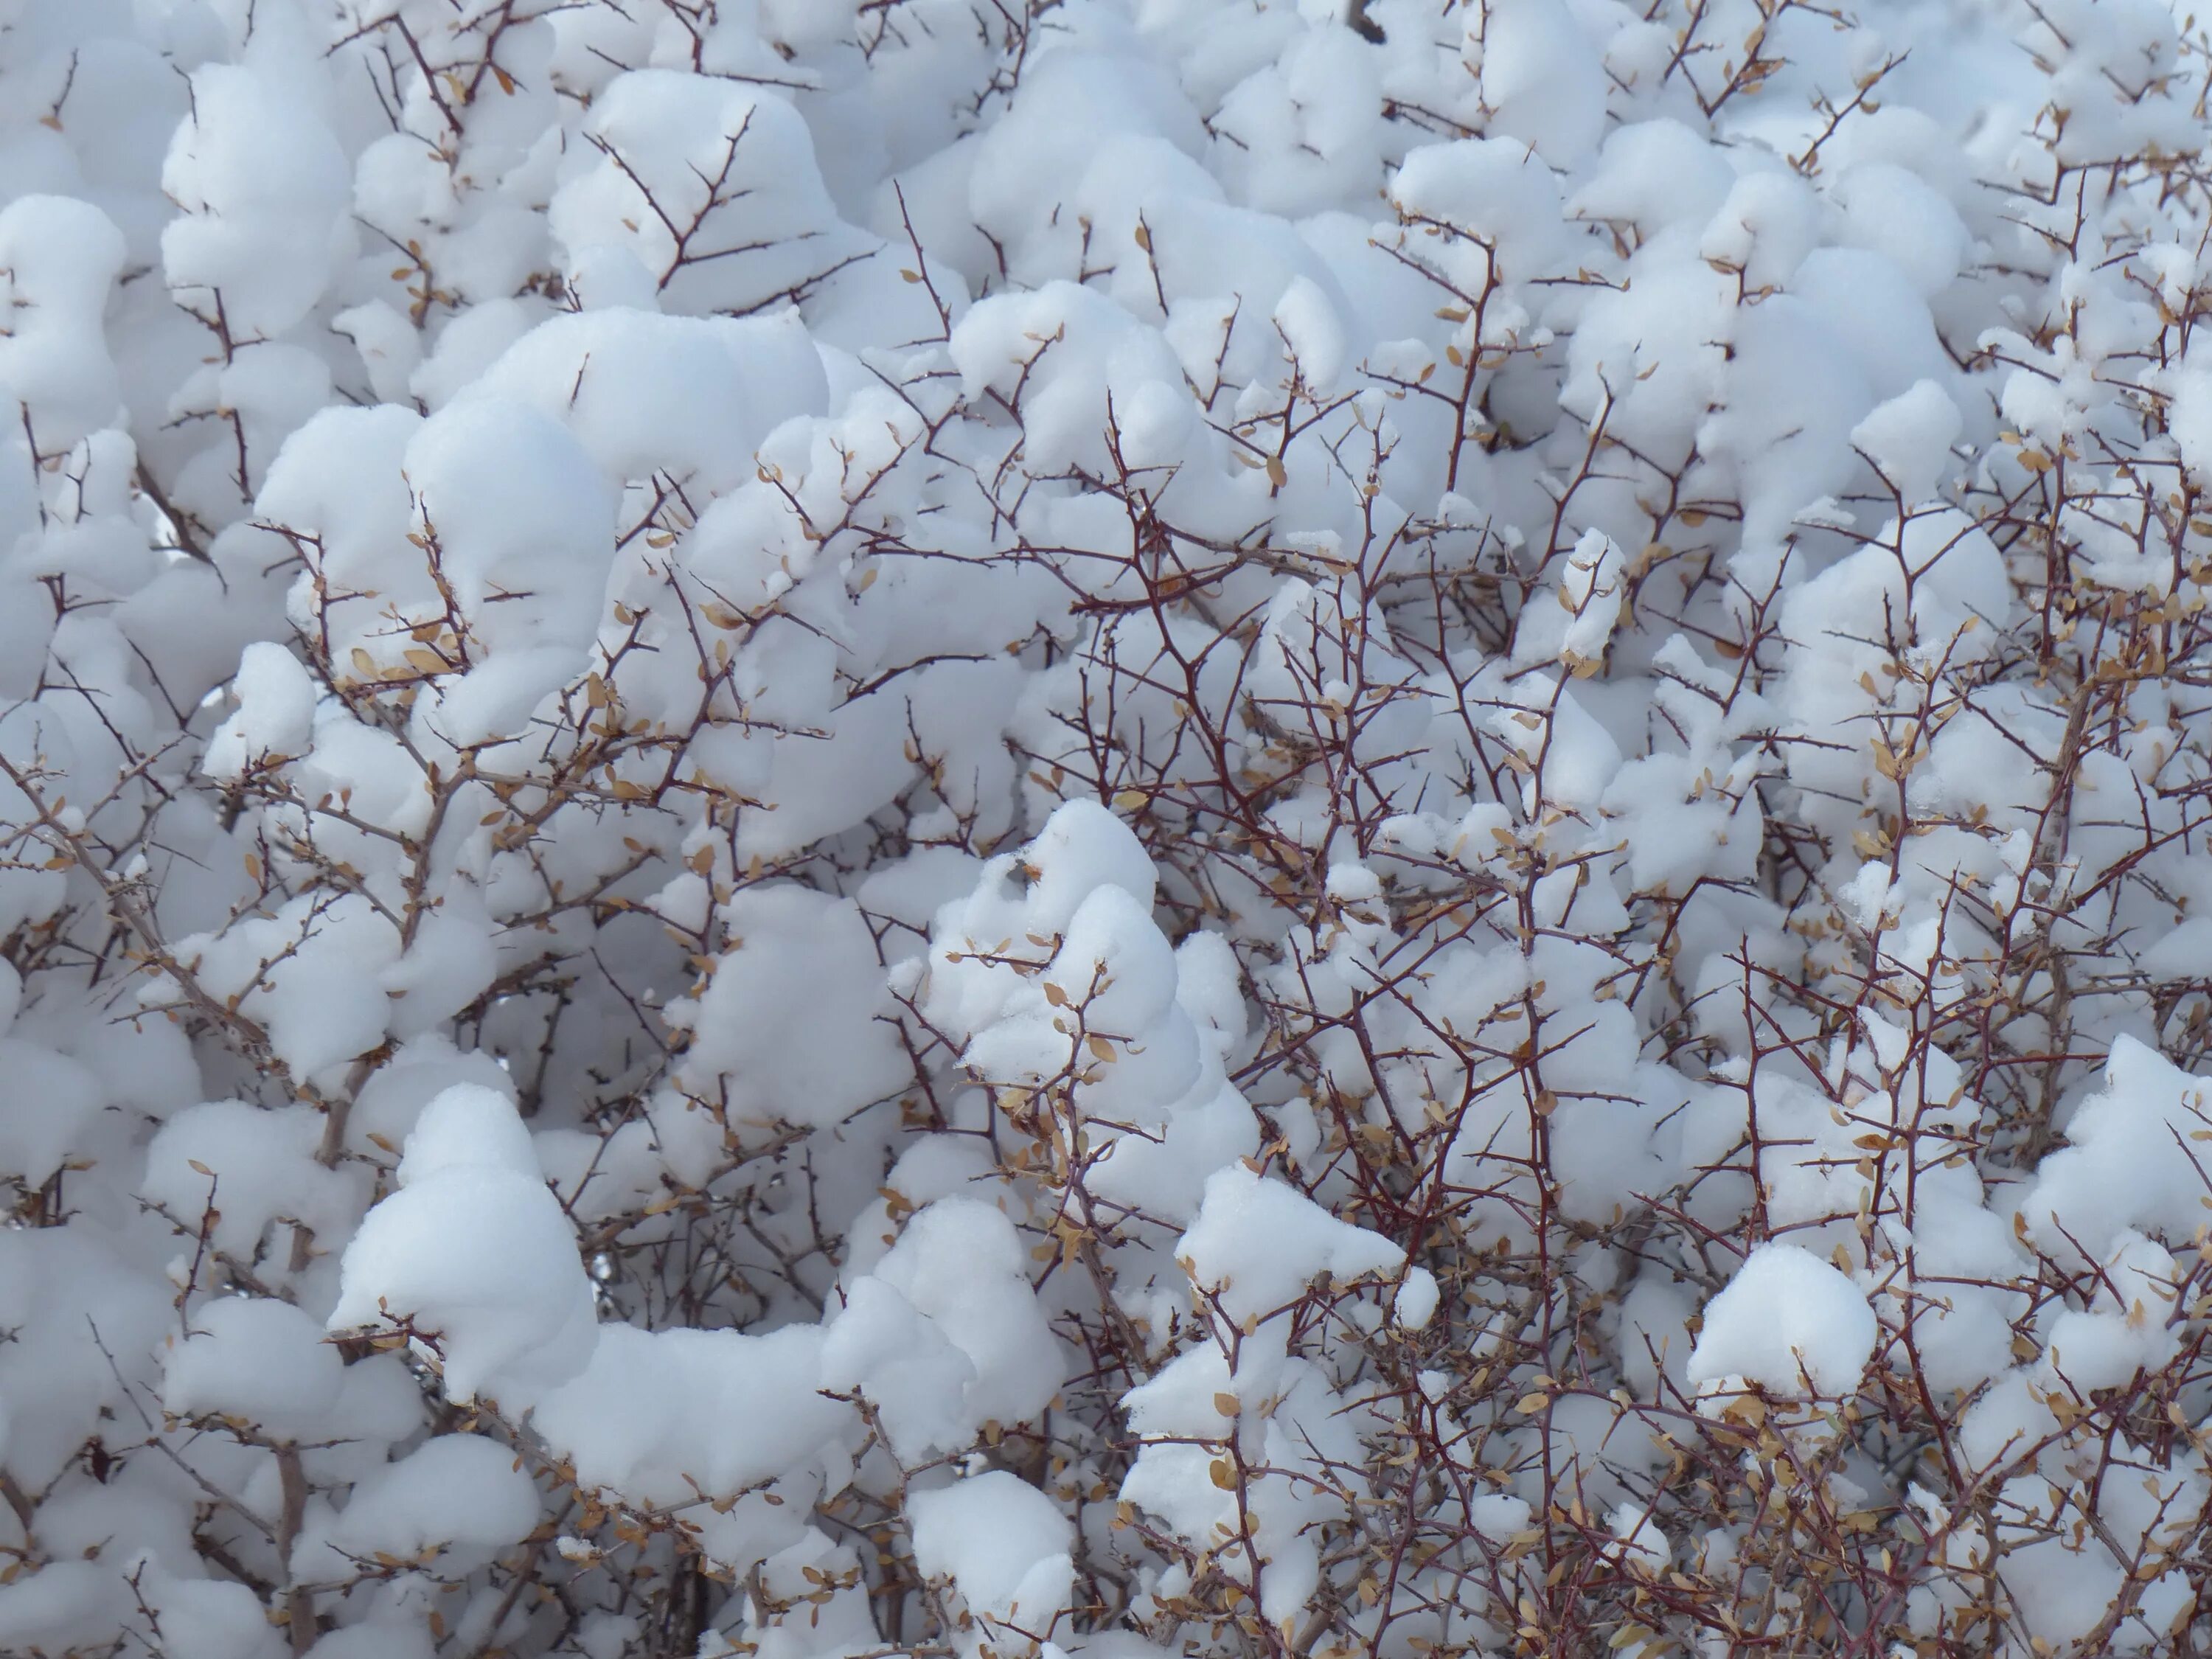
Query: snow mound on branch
(1257,1244)
(945,1333)
(474,1254)
(1005,1545)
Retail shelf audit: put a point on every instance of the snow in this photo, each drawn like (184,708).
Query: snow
(1908,439)
(698,146)
(1415,1303)
(319,1007)
(1788,1322)
(246,1165)
(522,524)
(263,184)
(2119,1170)
(806,958)
(944,1334)
(60,255)
(258,1358)
(474,1251)
(58,1096)
(276,712)
(1005,1547)
(1542,78)
(207,1619)
(2190,421)
(1644,1547)
(452,1489)
(664,1415)
(718,386)
(1257,1242)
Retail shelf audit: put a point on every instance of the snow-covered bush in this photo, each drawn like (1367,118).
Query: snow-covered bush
(1105,829)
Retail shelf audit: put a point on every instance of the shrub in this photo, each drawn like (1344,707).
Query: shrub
(1104,828)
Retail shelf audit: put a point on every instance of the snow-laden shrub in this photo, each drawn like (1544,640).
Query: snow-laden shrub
(1104,828)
